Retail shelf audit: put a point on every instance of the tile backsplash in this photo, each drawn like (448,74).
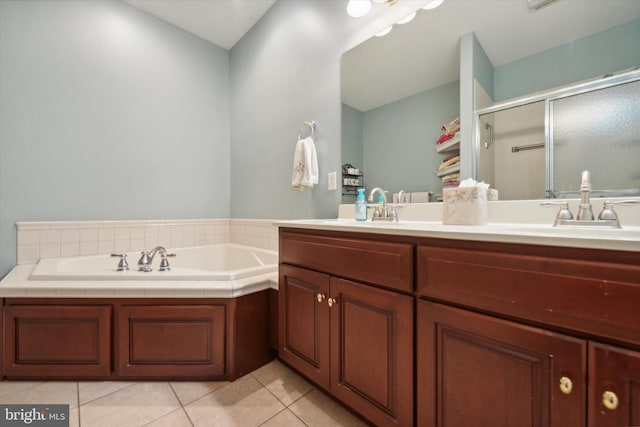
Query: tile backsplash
(37,240)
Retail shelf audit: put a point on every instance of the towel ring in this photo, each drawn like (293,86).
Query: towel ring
(310,125)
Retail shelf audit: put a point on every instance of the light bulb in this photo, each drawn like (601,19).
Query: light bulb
(407,18)
(358,8)
(432,4)
(384,32)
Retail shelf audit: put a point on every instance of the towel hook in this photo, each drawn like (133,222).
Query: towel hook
(306,124)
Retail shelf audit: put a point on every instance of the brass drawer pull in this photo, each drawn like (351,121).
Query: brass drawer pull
(331,301)
(566,385)
(320,297)
(610,400)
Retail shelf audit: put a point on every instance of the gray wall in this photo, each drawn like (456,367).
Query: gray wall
(398,140)
(617,48)
(107,113)
(351,143)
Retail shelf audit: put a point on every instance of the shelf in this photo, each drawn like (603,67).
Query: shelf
(448,170)
(451,145)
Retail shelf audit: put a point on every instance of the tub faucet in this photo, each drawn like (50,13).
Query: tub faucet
(144,263)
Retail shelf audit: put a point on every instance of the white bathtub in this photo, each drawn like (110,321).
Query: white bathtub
(213,263)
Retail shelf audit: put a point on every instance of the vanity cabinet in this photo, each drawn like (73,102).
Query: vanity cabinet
(347,334)
(527,335)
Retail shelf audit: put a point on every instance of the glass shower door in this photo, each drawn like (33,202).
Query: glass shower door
(597,131)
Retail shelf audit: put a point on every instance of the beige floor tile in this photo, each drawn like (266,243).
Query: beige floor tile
(243,402)
(317,410)
(11,387)
(285,384)
(132,406)
(92,390)
(285,418)
(50,392)
(187,392)
(74,417)
(174,419)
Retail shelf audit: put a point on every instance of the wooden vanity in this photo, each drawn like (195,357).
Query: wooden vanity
(412,330)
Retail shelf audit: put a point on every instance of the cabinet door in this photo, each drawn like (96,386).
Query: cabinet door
(304,322)
(57,341)
(171,341)
(372,352)
(614,386)
(475,370)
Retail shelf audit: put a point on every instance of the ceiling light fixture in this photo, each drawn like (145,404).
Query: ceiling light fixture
(407,18)
(432,4)
(358,8)
(385,31)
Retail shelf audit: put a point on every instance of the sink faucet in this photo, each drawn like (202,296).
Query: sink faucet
(607,217)
(144,263)
(585,212)
(383,214)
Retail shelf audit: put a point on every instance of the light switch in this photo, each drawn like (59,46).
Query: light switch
(332,181)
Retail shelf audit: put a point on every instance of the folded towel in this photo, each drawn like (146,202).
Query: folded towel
(452,127)
(449,161)
(305,165)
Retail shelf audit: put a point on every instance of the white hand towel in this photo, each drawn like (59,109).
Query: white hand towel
(305,165)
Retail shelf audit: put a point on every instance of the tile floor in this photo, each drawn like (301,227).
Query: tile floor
(273,395)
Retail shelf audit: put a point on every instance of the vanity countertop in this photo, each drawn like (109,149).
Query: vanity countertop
(624,239)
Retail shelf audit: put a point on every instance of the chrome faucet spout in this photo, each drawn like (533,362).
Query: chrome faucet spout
(146,258)
(584,211)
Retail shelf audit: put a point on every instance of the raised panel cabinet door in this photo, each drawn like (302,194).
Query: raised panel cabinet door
(57,341)
(372,352)
(476,371)
(614,386)
(171,341)
(304,322)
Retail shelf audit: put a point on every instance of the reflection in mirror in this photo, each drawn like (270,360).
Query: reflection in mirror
(539,149)
(393,138)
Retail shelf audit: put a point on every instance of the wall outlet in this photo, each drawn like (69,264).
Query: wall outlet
(332,181)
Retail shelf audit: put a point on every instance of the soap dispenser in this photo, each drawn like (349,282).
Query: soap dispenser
(361,206)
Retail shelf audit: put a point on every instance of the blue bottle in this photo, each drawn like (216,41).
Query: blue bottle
(361,206)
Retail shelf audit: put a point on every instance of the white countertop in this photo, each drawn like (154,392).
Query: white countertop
(626,239)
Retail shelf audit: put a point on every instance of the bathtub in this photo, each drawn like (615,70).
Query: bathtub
(213,263)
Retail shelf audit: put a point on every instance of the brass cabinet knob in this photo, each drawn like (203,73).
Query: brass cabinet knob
(331,301)
(320,297)
(610,400)
(566,385)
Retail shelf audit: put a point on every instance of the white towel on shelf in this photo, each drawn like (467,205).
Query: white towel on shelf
(305,165)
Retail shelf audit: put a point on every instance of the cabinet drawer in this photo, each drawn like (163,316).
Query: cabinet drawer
(57,341)
(600,298)
(387,264)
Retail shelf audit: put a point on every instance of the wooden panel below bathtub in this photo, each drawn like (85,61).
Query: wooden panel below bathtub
(57,341)
(171,341)
(251,348)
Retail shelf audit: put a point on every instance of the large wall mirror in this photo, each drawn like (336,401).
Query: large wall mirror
(399,89)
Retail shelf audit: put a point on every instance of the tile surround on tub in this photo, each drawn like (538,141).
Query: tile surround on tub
(52,239)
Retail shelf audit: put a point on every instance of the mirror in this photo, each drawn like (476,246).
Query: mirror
(398,90)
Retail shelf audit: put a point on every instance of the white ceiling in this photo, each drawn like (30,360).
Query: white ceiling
(424,53)
(222,22)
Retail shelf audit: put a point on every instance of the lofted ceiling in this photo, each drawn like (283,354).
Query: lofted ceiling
(222,22)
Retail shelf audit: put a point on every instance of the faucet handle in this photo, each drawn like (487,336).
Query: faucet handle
(123,265)
(607,209)
(563,213)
